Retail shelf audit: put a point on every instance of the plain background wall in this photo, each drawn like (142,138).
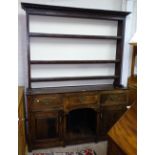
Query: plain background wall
(125,5)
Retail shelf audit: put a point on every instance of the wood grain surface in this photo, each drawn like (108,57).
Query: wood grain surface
(124,132)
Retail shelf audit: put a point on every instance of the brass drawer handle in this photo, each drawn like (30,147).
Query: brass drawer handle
(38,101)
(45,101)
(128,107)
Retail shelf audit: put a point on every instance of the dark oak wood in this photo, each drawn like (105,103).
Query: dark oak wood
(132,85)
(113,105)
(72,78)
(48,10)
(109,116)
(113,149)
(52,108)
(85,100)
(35,62)
(69,89)
(46,128)
(74,36)
(47,102)
(119,51)
(28,49)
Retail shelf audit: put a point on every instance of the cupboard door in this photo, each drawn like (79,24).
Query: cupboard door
(109,116)
(45,128)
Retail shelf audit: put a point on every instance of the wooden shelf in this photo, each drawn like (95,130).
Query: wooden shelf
(72,78)
(67,89)
(60,11)
(73,36)
(81,13)
(38,62)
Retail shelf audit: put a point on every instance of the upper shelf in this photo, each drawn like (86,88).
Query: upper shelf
(75,36)
(49,10)
(35,62)
(74,78)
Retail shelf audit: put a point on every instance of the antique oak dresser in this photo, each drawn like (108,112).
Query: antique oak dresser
(59,116)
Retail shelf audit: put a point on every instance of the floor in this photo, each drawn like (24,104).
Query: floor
(100,148)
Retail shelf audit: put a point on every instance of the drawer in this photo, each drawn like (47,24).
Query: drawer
(81,101)
(45,102)
(114,98)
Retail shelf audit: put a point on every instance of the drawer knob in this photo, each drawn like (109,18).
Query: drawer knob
(37,101)
(128,107)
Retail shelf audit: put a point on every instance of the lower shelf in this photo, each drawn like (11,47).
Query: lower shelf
(83,133)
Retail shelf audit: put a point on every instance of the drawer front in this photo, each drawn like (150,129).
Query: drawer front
(45,102)
(114,98)
(81,101)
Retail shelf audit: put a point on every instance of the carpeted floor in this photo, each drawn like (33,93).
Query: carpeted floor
(100,148)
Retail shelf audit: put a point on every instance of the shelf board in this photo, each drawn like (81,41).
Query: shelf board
(61,11)
(37,62)
(66,89)
(74,36)
(72,78)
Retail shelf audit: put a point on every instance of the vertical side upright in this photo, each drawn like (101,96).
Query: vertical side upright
(119,51)
(28,49)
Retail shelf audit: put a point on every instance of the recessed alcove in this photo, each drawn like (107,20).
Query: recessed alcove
(81,123)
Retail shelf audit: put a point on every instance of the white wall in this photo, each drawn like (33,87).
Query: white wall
(100,4)
(131,24)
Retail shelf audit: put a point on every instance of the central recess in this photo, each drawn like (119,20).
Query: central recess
(81,123)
